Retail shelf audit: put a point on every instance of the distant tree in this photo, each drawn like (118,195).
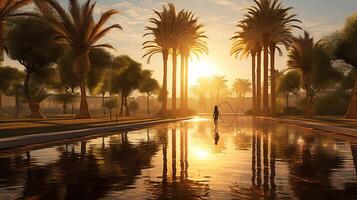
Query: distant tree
(133,105)
(78,30)
(34,50)
(127,82)
(111,104)
(64,98)
(201,90)
(9,78)
(289,84)
(149,86)
(219,86)
(241,87)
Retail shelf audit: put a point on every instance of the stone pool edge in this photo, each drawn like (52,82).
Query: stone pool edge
(20,141)
(317,125)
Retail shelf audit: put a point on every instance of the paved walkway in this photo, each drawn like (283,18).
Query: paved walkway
(331,124)
(30,139)
(17,127)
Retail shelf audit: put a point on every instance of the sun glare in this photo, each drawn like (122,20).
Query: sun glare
(199,68)
(201,154)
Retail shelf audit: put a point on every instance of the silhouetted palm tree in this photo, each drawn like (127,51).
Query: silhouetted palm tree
(9,8)
(192,42)
(247,44)
(162,34)
(77,29)
(272,22)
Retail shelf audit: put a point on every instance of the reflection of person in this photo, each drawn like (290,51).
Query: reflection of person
(215,115)
(216,135)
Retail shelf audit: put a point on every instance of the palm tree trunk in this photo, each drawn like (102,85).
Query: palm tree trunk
(265,82)
(121,106)
(272,79)
(254,92)
(182,83)
(17,102)
(148,103)
(64,108)
(33,106)
(83,109)
(186,83)
(103,103)
(287,102)
(174,66)
(165,55)
(0,100)
(352,108)
(127,111)
(2,40)
(259,84)
(81,68)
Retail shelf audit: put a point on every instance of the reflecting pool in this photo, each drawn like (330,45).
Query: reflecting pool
(242,158)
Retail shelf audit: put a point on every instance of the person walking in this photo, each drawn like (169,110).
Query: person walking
(216,115)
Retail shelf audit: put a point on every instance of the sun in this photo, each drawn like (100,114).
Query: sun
(199,68)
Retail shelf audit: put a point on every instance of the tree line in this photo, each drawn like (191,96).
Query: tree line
(266,27)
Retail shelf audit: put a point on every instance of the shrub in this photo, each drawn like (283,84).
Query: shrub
(335,103)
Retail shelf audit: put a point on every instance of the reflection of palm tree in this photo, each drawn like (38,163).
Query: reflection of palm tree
(312,165)
(79,31)
(185,188)
(354,156)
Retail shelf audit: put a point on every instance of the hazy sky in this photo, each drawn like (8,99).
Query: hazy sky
(319,17)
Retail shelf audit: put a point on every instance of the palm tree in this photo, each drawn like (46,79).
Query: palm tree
(241,87)
(248,44)
(162,34)
(302,56)
(218,83)
(269,19)
(77,29)
(192,42)
(8,9)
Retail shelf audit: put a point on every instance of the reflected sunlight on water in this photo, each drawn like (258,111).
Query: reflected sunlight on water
(239,159)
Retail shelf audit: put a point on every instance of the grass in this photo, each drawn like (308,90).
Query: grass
(19,127)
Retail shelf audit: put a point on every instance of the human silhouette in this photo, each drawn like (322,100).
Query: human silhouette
(216,115)
(216,135)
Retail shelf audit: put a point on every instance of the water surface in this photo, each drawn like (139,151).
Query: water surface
(239,159)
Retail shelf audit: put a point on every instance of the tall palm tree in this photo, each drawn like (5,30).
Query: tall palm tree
(8,9)
(248,44)
(162,34)
(192,42)
(77,29)
(272,21)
